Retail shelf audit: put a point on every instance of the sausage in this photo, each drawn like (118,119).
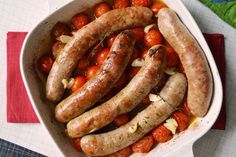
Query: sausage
(141,124)
(85,38)
(124,101)
(92,91)
(191,55)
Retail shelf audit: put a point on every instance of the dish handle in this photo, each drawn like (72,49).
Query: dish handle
(185,151)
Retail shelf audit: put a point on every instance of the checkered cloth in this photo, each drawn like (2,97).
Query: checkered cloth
(8,149)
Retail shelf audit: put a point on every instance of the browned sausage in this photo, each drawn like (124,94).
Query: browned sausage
(127,99)
(85,38)
(113,67)
(193,59)
(145,121)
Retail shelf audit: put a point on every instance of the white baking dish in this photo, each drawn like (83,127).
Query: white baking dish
(36,44)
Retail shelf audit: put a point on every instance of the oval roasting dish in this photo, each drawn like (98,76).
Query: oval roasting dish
(37,43)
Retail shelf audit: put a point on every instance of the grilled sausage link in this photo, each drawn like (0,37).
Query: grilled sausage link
(113,67)
(124,101)
(192,57)
(85,38)
(145,121)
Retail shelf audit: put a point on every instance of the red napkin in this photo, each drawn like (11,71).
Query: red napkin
(19,109)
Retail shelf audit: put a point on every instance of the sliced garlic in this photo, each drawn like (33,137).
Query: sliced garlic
(154,97)
(64,38)
(170,71)
(71,82)
(133,128)
(139,62)
(149,27)
(171,125)
(65,83)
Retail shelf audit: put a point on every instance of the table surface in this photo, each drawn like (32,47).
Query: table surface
(23,15)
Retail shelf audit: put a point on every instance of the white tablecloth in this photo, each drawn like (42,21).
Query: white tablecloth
(23,15)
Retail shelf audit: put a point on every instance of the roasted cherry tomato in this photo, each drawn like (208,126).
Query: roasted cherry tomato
(92,71)
(143,145)
(161,134)
(172,57)
(60,29)
(132,72)
(182,120)
(110,39)
(45,63)
(126,152)
(76,144)
(101,8)
(139,34)
(103,54)
(121,82)
(78,82)
(57,48)
(121,4)
(153,37)
(157,6)
(83,63)
(121,120)
(142,3)
(79,20)
(186,109)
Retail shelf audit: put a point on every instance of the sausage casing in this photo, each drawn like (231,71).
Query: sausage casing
(192,57)
(124,101)
(85,38)
(113,67)
(145,121)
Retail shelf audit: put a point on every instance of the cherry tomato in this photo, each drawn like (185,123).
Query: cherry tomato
(143,145)
(110,39)
(153,37)
(79,82)
(121,120)
(45,63)
(101,8)
(76,144)
(57,47)
(121,4)
(161,134)
(126,152)
(93,52)
(157,6)
(60,29)
(144,53)
(142,3)
(139,34)
(92,71)
(132,72)
(172,57)
(121,82)
(103,54)
(83,63)
(79,20)
(182,120)
(186,110)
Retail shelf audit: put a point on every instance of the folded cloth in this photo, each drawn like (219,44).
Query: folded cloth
(217,46)
(225,10)
(19,109)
